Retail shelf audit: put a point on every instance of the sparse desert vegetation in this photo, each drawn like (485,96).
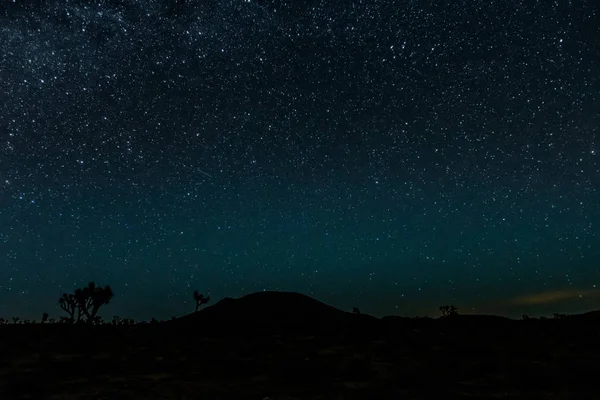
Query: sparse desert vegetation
(277,345)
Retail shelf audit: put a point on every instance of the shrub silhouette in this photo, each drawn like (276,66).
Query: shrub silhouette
(200,299)
(118,321)
(85,302)
(45,317)
(449,311)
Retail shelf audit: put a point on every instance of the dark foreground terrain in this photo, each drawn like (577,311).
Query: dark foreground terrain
(228,351)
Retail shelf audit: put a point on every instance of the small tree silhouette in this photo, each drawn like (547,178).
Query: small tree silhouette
(91,298)
(449,311)
(15,320)
(45,317)
(69,304)
(85,302)
(200,299)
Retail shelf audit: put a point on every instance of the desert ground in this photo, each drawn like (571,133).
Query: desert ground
(390,358)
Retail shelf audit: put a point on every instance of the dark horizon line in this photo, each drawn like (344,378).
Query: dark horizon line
(508,314)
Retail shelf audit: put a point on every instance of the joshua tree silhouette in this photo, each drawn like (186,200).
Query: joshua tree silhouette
(68,303)
(86,301)
(200,299)
(91,298)
(449,311)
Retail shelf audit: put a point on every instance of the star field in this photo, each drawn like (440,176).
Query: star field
(392,156)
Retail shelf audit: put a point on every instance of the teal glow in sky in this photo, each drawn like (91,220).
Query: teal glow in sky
(382,155)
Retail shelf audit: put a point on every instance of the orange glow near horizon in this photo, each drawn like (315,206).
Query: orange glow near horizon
(555,296)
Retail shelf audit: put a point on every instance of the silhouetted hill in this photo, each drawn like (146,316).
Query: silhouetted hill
(277,313)
(466,321)
(479,322)
(484,319)
(588,317)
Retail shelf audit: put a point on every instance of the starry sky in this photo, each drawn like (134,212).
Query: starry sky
(387,155)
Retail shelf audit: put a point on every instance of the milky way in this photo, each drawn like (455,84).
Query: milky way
(387,155)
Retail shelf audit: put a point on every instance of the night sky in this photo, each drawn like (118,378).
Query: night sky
(387,155)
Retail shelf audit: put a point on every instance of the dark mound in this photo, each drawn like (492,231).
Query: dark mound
(590,317)
(483,321)
(462,321)
(276,313)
